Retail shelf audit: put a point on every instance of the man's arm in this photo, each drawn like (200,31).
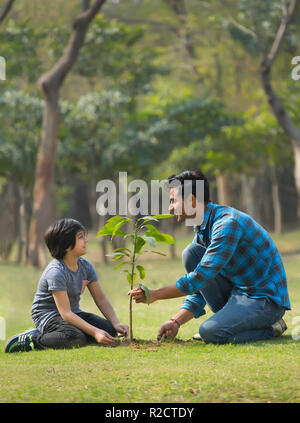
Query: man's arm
(164,293)
(170,328)
(225,238)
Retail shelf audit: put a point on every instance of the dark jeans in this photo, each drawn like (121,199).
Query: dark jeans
(60,334)
(238,318)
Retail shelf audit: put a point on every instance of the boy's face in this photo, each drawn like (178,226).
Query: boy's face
(80,247)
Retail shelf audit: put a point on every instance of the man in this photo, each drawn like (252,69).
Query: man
(232,265)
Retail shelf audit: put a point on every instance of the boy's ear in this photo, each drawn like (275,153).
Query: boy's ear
(69,249)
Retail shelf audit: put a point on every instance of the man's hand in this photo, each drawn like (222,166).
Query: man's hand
(122,329)
(168,330)
(103,337)
(139,295)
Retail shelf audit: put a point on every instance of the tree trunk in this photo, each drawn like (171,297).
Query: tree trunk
(249,198)
(276,105)
(22,226)
(276,202)
(43,207)
(103,241)
(296,148)
(184,33)
(50,84)
(224,195)
(6,10)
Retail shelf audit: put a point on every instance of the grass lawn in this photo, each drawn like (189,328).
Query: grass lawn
(173,371)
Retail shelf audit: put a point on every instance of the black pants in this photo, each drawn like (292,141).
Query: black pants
(60,334)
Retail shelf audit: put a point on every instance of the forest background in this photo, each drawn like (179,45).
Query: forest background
(155,87)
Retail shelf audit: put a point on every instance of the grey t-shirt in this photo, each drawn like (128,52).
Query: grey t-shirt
(57,276)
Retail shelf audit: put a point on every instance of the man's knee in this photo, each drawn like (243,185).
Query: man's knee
(211,333)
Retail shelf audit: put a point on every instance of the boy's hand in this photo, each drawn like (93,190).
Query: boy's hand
(103,337)
(122,329)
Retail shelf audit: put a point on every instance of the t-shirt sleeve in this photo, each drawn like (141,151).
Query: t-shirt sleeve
(91,273)
(56,280)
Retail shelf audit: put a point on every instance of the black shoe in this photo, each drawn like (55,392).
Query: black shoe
(279,327)
(21,342)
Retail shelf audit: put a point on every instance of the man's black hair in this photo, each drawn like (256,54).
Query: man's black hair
(61,235)
(192,176)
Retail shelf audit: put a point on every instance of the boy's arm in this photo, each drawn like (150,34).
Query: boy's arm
(63,305)
(105,307)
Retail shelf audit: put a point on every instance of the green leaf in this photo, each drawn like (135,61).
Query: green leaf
(120,264)
(148,218)
(118,226)
(159,237)
(140,242)
(116,257)
(115,254)
(141,270)
(146,290)
(110,225)
(163,216)
(151,240)
(158,252)
(129,277)
(122,248)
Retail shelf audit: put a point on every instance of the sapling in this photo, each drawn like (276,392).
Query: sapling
(141,234)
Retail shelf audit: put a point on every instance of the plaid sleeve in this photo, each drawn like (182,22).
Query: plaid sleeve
(225,238)
(195,303)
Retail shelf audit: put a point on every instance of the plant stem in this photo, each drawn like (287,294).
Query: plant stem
(132,272)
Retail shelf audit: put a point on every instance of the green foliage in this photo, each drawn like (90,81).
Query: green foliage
(19,45)
(20,122)
(258,23)
(113,50)
(130,256)
(244,148)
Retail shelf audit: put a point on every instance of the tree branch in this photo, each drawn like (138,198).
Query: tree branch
(55,77)
(276,104)
(85,4)
(137,21)
(184,33)
(242,28)
(287,16)
(6,10)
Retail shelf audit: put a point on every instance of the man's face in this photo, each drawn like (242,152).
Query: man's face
(176,206)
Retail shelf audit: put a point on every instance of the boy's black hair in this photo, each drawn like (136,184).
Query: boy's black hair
(193,176)
(61,235)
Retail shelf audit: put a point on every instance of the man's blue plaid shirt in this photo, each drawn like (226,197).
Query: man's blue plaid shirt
(240,250)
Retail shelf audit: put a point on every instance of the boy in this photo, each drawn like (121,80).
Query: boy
(55,309)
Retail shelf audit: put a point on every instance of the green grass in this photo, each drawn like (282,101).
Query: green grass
(178,371)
